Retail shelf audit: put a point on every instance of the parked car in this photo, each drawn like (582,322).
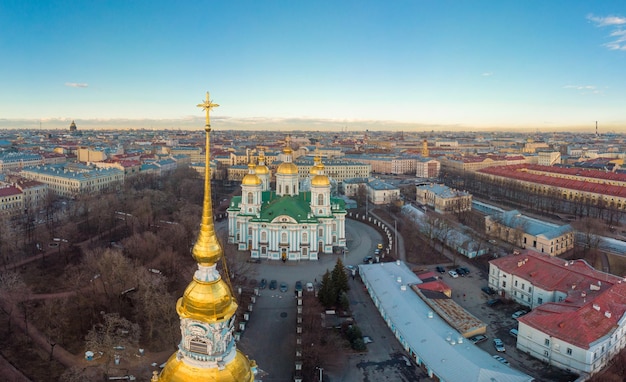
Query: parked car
(367,259)
(460,272)
(465,270)
(501,360)
(283,286)
(499,345)
(494,302)
(453,274)
(309,287)
(299,286)
(518,314)
(513,332)
(488,291)
(263,284)
(273,284)
(441,269)
(478,339)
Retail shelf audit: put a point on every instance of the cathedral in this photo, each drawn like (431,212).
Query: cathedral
(286,223)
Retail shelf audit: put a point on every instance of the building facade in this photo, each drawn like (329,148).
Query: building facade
(443,199)
(578,320)
(286,223)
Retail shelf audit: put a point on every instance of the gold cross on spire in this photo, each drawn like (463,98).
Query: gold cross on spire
(207,106)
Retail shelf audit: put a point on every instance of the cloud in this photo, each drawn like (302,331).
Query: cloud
(584,89)
(606,21)
(580,87)
(617,34)
(76,84)
(487,74)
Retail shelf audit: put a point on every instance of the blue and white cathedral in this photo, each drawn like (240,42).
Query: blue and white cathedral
(286,223)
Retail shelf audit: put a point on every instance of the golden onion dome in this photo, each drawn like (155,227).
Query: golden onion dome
(320,181)
(314,170)
(287,168)
(207,301)
(237,370)
(261,169)
(251,180)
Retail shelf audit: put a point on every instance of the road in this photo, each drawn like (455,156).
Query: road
(269,338)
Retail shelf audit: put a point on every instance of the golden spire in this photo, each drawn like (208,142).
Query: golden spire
(207,249)
(207,350)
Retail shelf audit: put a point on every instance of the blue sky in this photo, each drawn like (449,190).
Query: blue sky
(320,65)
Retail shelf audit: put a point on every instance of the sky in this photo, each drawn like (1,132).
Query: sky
(318,65)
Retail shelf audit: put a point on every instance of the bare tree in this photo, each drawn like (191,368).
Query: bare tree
(13,290)
(115,335)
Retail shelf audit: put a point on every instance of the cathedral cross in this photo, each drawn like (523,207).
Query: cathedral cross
(207,106)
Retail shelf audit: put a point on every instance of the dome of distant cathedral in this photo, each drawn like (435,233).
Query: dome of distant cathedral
(320,180)
(261,169)
(287,168)
(251,180)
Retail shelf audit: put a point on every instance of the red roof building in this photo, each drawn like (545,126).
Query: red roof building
(578,319)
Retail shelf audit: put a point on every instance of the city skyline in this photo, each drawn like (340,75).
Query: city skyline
(413,65)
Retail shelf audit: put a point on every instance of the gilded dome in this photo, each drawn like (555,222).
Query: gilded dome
(210,300)
(320,181)
(261,169)
(238,370)
(287,168)
(251,180)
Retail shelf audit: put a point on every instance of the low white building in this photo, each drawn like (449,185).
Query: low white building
(578,321)
(435,346)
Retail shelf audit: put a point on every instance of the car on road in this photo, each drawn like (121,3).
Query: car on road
(493,302)
(441,269)
(263,284)
(501,360)
(460,272)
(299,286)
(488,291)
(309,287)
(453,274)
(513,332)
(465,270)
(283,286)
(518,314)
(368,259)
(273,284)
(478,339)
(499,345)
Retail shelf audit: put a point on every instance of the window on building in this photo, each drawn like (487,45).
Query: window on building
(539,300)
(569,351)
(320,200)
(250,198)
(283,237)
(305,238)
(546,342)
(263,236)
(503,284)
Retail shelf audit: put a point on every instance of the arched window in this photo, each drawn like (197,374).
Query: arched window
(286,189)
(305,238)
(283,237)
(250,198)
(320,199)
(249,231)
(263,236)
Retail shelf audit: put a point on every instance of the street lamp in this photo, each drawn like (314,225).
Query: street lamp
(321,372)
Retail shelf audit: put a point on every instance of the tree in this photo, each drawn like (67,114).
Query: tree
(339,279)
(13,290)
(326,293)
(114,335)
